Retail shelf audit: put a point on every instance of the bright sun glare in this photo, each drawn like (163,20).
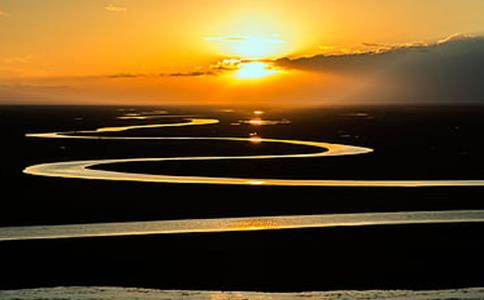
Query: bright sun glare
(254,70)
(252,49)
(249,47)
(257,47)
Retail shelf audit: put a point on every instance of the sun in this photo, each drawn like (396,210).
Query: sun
(248,56)
(254,70)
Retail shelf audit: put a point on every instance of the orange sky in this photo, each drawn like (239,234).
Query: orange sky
(149,51)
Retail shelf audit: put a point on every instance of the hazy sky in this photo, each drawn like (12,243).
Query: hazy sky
(187,51)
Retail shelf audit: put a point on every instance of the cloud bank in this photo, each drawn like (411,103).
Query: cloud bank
(168,74)
(447,71)
(220,67)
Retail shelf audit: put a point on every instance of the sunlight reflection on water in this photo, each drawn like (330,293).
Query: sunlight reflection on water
(237,224)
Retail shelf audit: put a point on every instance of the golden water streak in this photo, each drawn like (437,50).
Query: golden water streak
(237,224)
(69,134)
(81,169)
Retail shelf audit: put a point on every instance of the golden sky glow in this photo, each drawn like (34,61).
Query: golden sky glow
(150,51)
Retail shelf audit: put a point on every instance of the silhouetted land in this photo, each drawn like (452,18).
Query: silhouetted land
(409,143)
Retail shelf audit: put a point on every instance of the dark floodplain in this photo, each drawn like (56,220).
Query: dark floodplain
(421,143)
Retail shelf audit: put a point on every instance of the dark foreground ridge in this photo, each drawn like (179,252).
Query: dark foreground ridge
(379,257)
(117,293)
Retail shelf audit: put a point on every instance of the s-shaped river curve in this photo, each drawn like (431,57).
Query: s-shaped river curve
(83,169)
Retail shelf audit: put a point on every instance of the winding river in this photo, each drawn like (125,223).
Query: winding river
(84,170)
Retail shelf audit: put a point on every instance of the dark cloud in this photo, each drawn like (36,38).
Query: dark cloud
(227,64)
(127,75)
(188,74)
(172,74)
(218,68)
(450,70)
